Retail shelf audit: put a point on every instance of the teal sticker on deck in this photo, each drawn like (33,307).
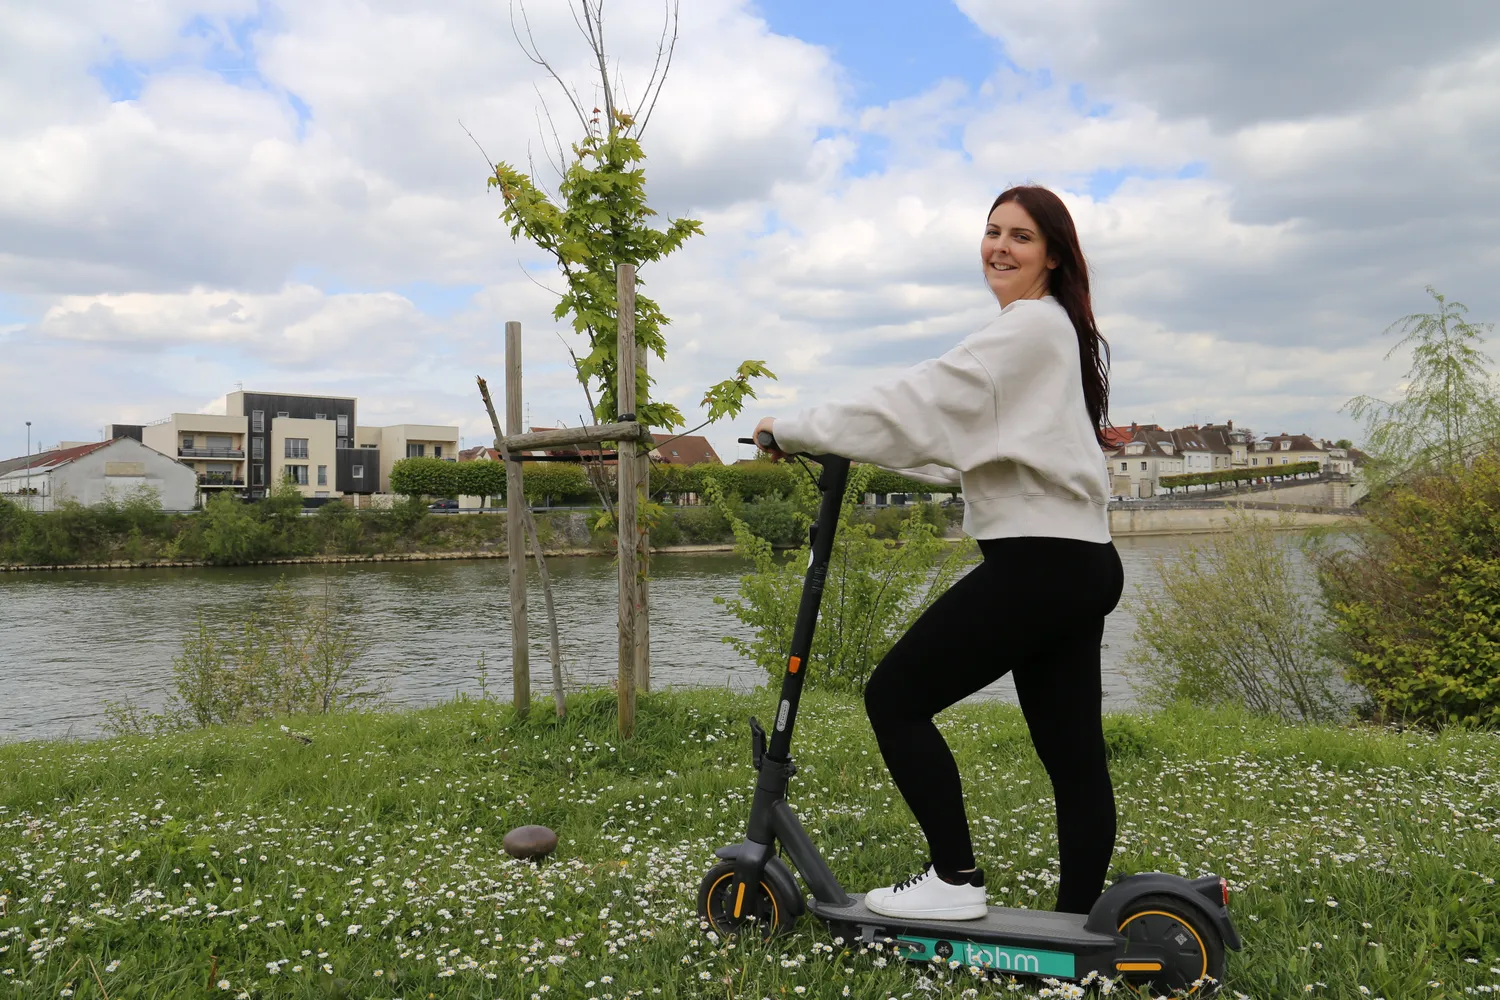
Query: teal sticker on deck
(1026,961)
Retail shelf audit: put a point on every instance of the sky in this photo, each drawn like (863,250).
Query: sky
(201,194)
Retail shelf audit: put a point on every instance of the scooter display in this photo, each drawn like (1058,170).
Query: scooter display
(1149,928)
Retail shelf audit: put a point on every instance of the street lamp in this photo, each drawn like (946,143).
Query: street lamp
(29,505)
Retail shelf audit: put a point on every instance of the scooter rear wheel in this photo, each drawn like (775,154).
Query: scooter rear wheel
(761,913)
(1163,929)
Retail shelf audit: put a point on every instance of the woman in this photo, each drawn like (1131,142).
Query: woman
(1013,414)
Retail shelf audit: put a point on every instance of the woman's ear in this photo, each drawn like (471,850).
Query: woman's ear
(1052,263)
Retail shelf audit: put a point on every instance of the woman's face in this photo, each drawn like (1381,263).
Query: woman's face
(1014,253)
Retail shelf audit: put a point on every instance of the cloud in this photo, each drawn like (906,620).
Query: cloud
(286,197)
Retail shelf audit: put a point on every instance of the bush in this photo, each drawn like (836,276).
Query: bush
(777,520)
(231,532)
(706,525)
(875,589)
(1415,602)
(1232,627)
(293,657)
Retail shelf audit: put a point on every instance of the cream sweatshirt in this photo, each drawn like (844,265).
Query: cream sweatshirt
(1002,414)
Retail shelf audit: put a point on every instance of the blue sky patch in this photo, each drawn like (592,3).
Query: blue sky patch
(891,49)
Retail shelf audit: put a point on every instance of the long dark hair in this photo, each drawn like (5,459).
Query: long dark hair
(1069,284)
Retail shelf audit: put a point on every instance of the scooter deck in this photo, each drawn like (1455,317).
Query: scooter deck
(1003,925)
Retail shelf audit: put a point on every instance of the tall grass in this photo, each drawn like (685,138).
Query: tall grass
(240,862)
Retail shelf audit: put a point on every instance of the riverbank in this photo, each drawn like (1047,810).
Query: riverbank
(359,855)
(572,535)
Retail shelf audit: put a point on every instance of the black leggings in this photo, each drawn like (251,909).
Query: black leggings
(1035,607)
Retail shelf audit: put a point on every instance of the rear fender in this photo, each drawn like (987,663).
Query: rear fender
(782,881)
(1105,916)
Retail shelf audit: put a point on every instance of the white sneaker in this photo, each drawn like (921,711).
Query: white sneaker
(926,896)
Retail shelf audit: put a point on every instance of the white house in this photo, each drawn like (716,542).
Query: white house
(90,473)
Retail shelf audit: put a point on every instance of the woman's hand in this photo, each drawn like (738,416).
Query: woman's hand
(767,424)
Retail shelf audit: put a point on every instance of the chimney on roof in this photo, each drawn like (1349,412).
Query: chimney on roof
(1230,425)
(1132,426)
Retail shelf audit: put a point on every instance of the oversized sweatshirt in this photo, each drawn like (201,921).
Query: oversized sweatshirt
(1002,415)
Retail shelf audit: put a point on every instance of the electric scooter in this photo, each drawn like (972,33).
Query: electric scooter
(1153,929)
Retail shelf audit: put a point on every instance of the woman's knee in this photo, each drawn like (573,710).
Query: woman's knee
(885,702)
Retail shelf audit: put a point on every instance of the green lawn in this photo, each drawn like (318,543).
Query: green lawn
(240,863)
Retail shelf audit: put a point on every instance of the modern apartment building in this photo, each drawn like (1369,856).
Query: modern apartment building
(400,441)
(264,438)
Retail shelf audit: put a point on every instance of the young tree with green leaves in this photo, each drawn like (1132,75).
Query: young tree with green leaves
(598,220)
(1449,407)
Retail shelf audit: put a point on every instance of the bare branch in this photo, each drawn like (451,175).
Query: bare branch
(535,55)
(534,281)
(648,98)
(477,146)
(561,166)
(595,33)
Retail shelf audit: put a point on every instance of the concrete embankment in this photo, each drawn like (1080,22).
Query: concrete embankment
(1203,517)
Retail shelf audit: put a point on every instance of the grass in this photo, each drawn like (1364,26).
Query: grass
(246,863)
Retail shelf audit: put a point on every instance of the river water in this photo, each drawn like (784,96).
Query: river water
(69,641)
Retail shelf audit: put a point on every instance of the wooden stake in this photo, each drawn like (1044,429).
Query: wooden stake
(558,695)
(628,471)
(643,549)
(515,539)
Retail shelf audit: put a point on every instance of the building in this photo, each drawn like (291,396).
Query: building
(1229,444)
(685,449)
(213,446)
(263,438)
(400,441)
(1137,466)
(1287,449)
(92,473)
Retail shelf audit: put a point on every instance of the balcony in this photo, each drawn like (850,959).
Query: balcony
(210,453)
(219,479)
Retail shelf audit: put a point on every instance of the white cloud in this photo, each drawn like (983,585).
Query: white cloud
(206,232)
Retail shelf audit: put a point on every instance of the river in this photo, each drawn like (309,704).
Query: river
(71,640)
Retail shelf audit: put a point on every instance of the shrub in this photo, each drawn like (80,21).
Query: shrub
(230,531)
(1232,627)
(293,657)
(1415,601)
(874,590)
(773,518)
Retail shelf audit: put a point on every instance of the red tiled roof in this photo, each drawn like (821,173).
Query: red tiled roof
(688,449)
(61,456)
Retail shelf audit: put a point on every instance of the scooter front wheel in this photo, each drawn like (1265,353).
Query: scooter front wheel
(760,913)
(1182,950)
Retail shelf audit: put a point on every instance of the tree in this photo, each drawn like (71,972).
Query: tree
(599,220)
(1449,406)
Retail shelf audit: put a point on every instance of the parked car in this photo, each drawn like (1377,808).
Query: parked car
(952,502)
(445,506)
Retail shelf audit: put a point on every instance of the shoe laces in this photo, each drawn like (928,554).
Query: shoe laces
(911,880)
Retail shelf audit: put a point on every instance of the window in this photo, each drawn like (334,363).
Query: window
(297,474)
(322,475)
(258,421)
(357,471)
(258,475)
(1124,466)
(258,448)
(296,448)
(343,428)
(1285,445)
(187,441)
(282,413)
(437,451)
(415,450)
(342,443)
(320,416)
(1143,466)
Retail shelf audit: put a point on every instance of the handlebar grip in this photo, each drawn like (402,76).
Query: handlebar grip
(765,440)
